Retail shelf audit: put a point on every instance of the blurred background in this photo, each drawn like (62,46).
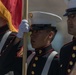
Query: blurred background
(57,7)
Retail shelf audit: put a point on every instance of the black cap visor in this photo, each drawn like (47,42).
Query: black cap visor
(70,11)
(40,27)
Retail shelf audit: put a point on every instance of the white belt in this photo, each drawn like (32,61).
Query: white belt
(4,38)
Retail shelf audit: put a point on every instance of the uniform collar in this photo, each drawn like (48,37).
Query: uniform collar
(74,40)
(41,51)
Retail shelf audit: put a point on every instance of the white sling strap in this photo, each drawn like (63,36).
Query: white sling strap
(4,38)
(48,63)
(30,58)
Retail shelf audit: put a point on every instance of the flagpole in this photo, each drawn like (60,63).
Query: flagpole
(25,16)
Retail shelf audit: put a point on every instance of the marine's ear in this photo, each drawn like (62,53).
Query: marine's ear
(51,34)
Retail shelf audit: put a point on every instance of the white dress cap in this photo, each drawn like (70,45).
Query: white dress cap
(39,17)
(70,3)
(71,7)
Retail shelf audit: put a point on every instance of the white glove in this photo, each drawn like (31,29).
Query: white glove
(23,27)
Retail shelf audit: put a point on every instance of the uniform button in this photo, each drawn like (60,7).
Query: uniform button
(73,55)
(61,65)
(69,70)
(6,45)
(36,58)
(40,51)
(71,63)
(32,72)
(74,47)
(34,65)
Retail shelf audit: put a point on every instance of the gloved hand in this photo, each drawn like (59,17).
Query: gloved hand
(23,27)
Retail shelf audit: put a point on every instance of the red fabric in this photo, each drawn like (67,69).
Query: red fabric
(15,8)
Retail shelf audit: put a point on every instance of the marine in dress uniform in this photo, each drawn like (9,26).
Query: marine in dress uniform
(43,60)
(67,57)
(68,51)
(8,50)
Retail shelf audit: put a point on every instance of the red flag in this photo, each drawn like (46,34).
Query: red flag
(14,7)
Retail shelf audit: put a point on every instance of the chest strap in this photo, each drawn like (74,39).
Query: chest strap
(4,38)
(48,63)
(30,58)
